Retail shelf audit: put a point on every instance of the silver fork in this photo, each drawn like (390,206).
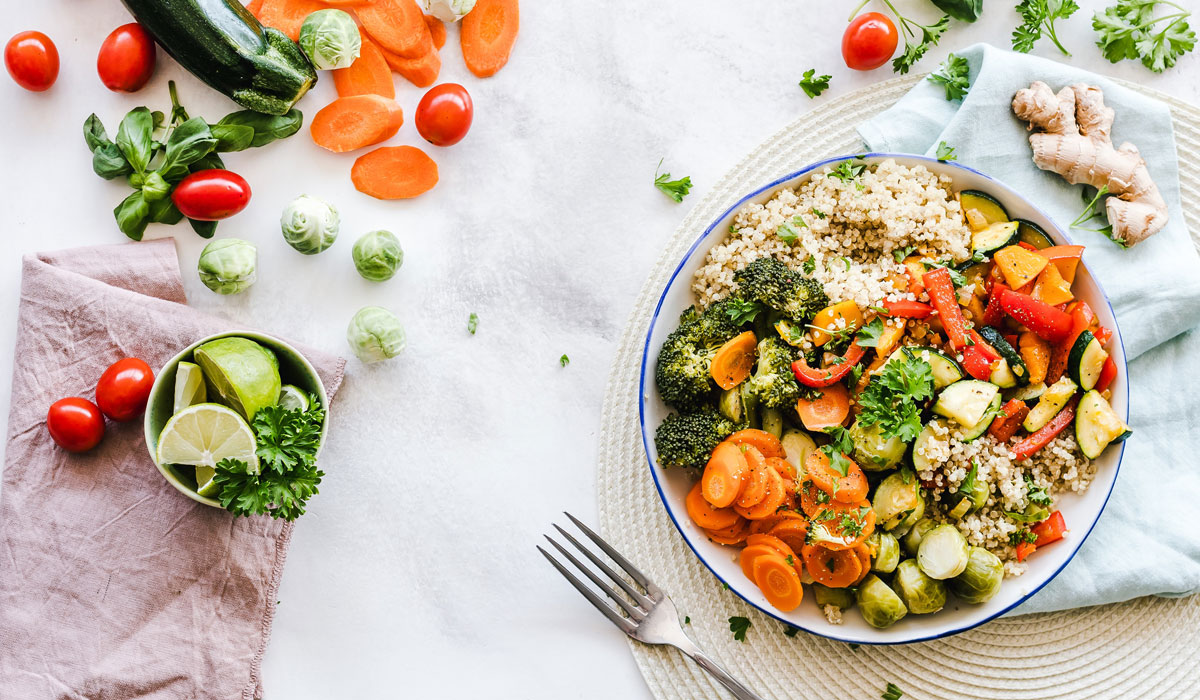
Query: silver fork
(650,619)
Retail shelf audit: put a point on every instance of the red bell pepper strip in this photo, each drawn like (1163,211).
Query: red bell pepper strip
(1046,322)
(1107,374)
(1103,335)
(1024,549)
(1027,246)
(1027,447)
(1005,425)
(977,364)
(1049,530)
(941,295)
(994,313)
(907,309)
(819,378)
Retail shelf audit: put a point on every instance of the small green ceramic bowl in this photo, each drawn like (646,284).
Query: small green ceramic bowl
(293,369)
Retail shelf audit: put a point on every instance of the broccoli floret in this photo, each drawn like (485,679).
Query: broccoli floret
(682,372)
(770,282)
(687,439)
(773,383)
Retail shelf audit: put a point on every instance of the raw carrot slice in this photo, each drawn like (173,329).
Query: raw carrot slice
(835,569)
(398,25)
(792,532)
(752,552)
(487,35)
(349,123)
(421,71)
(732,535)
(734,361)
(724,475)
(755,486)
(771,501)
(394,172)
(368,75)
(779,582)
(827,410)
(437,31)
(842,525)
(764,442)
(703,514)
(850,488)
(287,15)
(254,7)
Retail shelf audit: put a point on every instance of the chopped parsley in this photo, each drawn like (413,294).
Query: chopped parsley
(564,361)
(967,485)
(817,213)
(957,278)
(675,189)
(809,264)
(1022,535)
(790,631)
(892,399)
(687,620)
(899,255)
(472,323)
(868,335)
(846,171)
(952,76)
(840,444)
(1036,494)
(738,625)
(892,692)
(813,84)
(742,312)
(786,233)
(945,152)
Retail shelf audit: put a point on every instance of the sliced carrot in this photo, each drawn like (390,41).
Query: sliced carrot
(764,442)
(732,535)
(772,500)
(349,123)
(850,488)
(792,531)
(779,582)
(703,514)
(724,475)
(287,15)
(398,25)
(771,541)
(254,7)
(827,410)
(421,71)
(864,557)
(345,4)
(437,30)
(835,569)
(762,527)
(812,499)
(734,361)
(394,172)
(842,525)
(785,468)
(368,75)
(750,553)
(757,481)
(487,35)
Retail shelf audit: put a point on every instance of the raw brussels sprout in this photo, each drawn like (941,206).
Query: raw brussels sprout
(896,499)
(872,451)
(887,552)
(448,10)
(330,39)
(309,225)
(943,552)
(921,594)
(879,605)
(229,265)
(838,597)
(375,334)
(980,580)
(912,540)
(377,255)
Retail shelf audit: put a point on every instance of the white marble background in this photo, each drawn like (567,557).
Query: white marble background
(414,575)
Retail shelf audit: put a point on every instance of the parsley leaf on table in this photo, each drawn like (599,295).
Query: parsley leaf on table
(892,692)
(738,625)
(675,189)
(1126,30)
(1038,17)
(564,361)
(914,48)
(472,323)
(945,152)
(952,75)
(812,84)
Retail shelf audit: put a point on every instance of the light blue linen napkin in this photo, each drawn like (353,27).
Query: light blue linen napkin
(1147,541)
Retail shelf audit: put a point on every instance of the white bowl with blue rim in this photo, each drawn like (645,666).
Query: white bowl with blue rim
(1080,510)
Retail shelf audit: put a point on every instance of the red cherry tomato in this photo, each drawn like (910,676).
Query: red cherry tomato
(211,195)
(444,114)
(75,424)
(32,60)
(124,388)
(126,59)
(869,41)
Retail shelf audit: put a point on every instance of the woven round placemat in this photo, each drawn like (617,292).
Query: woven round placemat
(1143,648)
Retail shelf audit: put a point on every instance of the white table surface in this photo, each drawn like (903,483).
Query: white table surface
(415,574)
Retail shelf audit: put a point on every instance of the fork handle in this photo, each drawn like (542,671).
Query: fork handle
(734,686)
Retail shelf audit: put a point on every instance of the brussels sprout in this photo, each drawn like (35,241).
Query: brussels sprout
(837,597)
(872,451)
(921,594)
(375,334)
(887,552)
(797,445)
(772,421)
(879,605)
(972,494)
(309,225)
(377,255)
(330,39)
(912,540)
(913,518)
(896,499)
(448,10)
(228,266)
(980,580)
(943,552)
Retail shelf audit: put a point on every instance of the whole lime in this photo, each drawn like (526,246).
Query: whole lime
(240,373)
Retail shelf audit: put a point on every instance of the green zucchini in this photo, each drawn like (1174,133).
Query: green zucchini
(222,44)
(1049,404)
(966,401)
(996,236)
(1031,233)
(987,205)
(945,370)
(1097,425)
(1086,360)
(1028,393)
(974,432)
(1012,372)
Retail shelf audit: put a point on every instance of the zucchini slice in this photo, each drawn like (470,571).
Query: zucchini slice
(1034,235)
(966,401)
(1086,360)
(1016,371)
(976,431)
(1097,425)
(987,205)
(921,462)
(945,370)
(994,237)
(1030,392)
(1050,403)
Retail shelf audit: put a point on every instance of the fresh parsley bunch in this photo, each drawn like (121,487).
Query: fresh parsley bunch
(1128,30)
(892,398)
(1038,17)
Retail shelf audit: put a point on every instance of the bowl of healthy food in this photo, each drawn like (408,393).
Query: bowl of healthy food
(883,399)
(236,421)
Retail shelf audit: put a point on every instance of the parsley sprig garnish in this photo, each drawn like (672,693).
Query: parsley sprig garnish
(675,189)
(813,84)
(1038,17)
(738,625)
(1036,494)
(847,171)
(742,312)
(892,692)
(918,38)
(841,443)
(891,400)
(945,152)
(1127,30)
(952,76)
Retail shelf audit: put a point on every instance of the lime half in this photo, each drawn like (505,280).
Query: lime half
(241,374)
(205,434)
(189,386)
(292,398)
(204,481)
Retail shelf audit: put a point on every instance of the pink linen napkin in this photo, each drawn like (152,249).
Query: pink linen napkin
(113,585)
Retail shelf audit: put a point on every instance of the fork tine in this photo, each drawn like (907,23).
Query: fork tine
(625,625)
(607,588)
(622,562)
(600,564)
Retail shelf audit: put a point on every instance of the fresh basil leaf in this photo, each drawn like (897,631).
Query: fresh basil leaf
(232,137)
(108,163)
(206,229)
(212,161)
(164,211)
(965,10)
(154,187)
(94,133)
(267,127)
(134,137)
(188,143)
(133,214)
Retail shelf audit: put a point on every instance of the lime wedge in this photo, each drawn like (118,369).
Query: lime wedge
(204,481)
(189,386)
(292,398)
(205,434)
(240,373)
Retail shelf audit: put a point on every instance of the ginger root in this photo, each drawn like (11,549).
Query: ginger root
(1072,138)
